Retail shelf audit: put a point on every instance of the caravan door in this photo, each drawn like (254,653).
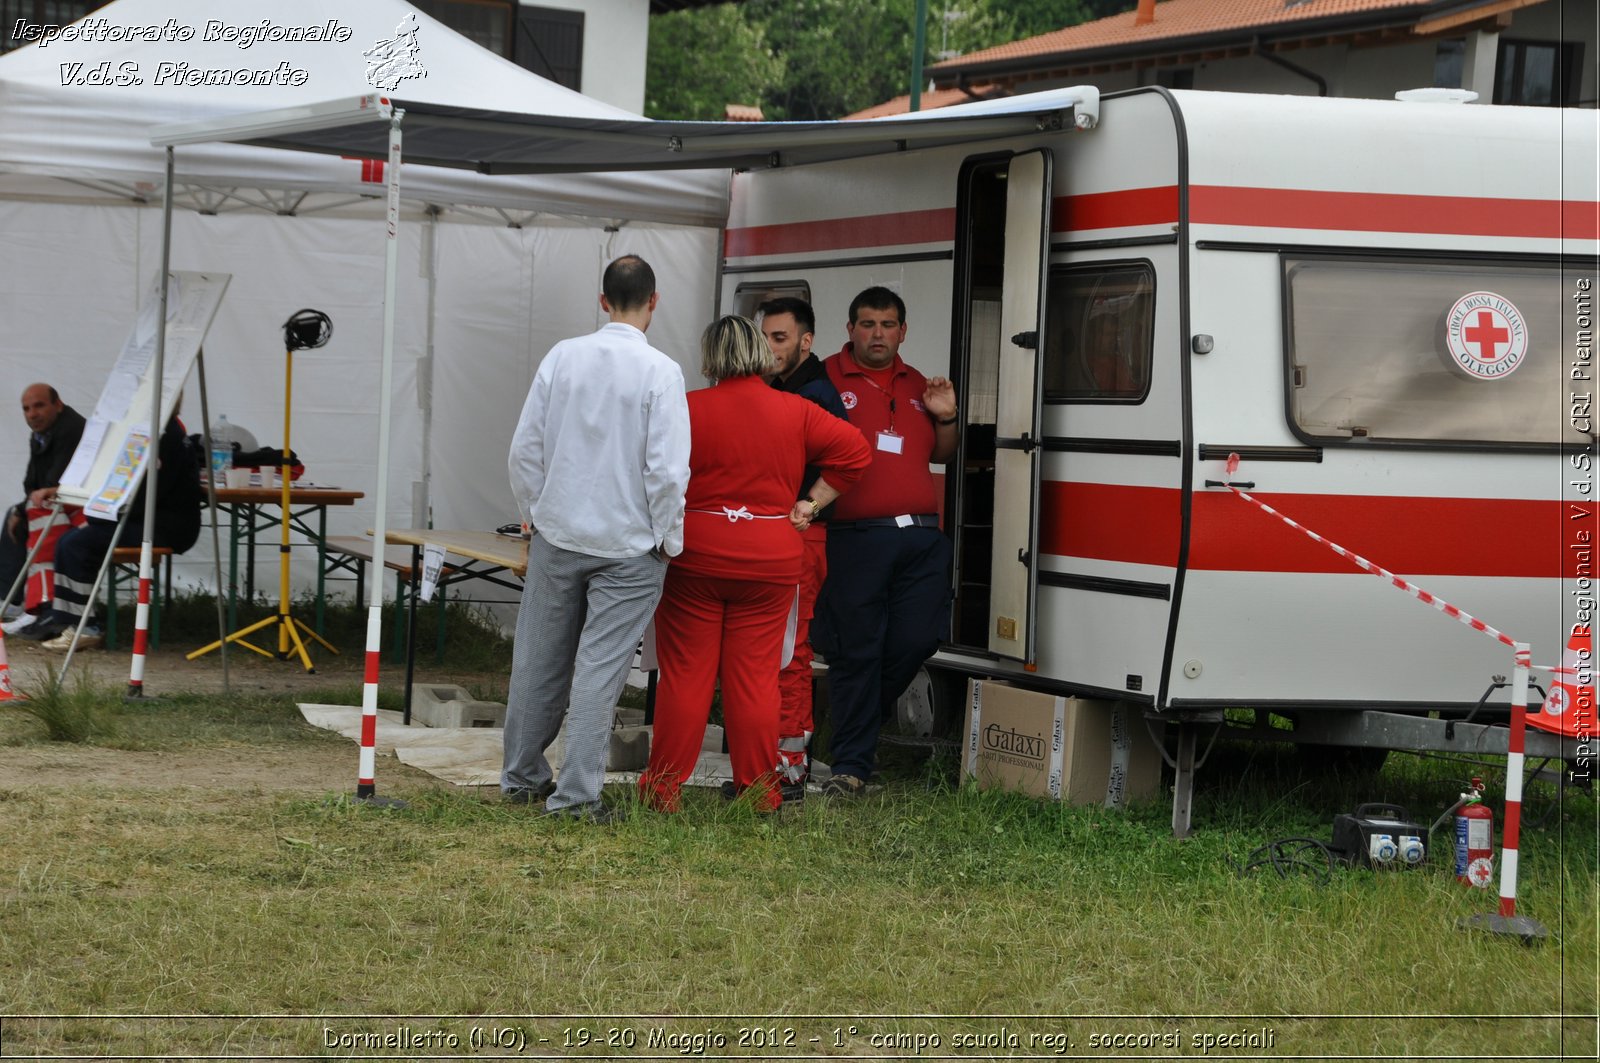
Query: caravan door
(1013,570)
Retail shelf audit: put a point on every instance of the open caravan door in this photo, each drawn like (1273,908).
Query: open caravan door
(1013,565)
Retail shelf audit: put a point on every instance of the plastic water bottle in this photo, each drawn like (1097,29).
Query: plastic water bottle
(221,450)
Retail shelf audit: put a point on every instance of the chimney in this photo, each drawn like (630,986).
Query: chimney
(1147,13)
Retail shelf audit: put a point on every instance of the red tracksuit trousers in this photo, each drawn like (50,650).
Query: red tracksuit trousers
(709,629)
(796,722)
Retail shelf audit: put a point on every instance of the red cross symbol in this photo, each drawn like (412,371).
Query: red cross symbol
(1486,334)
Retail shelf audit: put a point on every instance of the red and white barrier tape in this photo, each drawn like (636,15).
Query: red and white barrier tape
(1519,690)
(1377,570)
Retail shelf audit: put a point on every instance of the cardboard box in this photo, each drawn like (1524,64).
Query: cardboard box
(1078,750)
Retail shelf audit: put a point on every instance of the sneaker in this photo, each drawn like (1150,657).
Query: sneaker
(91,639)
(792,793)
(844,786)
(597,813)
(728,791)
(527,795)
(14,627)
(42,631)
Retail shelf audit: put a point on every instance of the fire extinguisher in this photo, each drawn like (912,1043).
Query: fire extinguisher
(1474,838)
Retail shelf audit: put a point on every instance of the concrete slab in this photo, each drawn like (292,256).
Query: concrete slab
(472,756)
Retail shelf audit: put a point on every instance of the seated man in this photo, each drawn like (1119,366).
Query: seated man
(56,429)
(81,551)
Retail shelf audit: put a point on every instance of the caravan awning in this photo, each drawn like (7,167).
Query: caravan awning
(509,142)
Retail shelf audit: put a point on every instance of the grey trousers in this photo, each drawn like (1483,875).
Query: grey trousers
(577,630)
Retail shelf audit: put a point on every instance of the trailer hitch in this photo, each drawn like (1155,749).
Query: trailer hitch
(1497,682)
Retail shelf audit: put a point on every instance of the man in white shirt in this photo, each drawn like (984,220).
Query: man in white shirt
(598,464)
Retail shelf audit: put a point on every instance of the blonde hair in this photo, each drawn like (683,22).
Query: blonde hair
(732,346)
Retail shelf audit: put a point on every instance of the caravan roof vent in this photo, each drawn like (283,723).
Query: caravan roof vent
(1436,95)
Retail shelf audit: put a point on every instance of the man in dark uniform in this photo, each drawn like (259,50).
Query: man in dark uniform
(790,325)
(56,429)
(887,603)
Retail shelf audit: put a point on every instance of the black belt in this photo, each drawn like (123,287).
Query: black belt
(909,520)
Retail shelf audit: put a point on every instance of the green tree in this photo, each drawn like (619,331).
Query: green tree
(819,59)
(700,61)
(840,55)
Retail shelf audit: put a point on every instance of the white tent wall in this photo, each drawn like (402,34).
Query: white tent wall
(514,293)
(71,277)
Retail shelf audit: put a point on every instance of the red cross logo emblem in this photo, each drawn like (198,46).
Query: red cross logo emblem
(1486,336)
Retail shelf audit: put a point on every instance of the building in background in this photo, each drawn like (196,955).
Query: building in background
(1526,52)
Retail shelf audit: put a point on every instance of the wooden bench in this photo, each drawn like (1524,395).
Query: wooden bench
(125,563)
(352,553)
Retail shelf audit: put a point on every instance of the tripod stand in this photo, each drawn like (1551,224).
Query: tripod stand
(307,329)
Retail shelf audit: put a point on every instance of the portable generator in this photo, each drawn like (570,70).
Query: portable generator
(1381,836)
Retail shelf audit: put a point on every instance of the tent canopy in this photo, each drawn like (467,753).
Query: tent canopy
(65,137)
(513,140)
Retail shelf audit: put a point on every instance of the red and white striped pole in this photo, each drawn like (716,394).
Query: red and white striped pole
(141,624)
(1514,765)
(366,779)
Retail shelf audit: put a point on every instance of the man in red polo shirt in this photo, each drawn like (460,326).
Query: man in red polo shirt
(886,605)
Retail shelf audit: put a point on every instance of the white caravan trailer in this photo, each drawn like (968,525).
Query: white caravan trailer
(1375,304)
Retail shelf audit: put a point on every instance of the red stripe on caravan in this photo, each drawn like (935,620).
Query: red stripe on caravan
(1299,208)
(1411,536)
(828,234)
(1115,210)
(1112,522)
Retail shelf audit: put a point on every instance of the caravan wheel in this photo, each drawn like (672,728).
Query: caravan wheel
(932,705)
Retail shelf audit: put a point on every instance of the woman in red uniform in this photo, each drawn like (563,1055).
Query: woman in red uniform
(728,596)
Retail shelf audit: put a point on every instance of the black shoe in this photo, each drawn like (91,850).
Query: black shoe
(844,786)
(597,813)
(728,791)
(527,795)
(40,632)
(792,793)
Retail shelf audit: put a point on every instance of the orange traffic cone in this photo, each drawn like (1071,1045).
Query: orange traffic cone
(6,693)
(1569,708)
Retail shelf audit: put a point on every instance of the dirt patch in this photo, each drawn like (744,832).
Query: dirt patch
(310,767)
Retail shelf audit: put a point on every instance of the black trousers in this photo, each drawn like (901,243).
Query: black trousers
(882,612)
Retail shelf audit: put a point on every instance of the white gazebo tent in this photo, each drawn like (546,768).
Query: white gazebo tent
(498,269)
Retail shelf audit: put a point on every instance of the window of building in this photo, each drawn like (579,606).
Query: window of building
(1100,332)
(1179,77)
(1426,351)
(486,23)
(1537,73)
(1449,60)
(549,42)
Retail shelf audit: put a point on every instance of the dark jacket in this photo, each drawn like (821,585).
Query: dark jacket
(178,494)
(47,460)
(810,381)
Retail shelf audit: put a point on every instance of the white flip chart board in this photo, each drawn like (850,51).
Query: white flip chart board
(108,465)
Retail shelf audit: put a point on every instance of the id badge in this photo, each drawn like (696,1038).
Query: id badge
(891,442)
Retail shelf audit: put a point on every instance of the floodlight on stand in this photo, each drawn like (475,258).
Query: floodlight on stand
(305,330)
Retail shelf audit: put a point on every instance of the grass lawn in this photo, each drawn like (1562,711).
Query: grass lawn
(143,917)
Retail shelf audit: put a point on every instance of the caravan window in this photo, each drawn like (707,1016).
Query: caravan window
(1427,351)
(1099,332)
(749,296)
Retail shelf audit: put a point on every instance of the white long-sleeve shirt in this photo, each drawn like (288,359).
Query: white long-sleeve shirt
(600,459)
